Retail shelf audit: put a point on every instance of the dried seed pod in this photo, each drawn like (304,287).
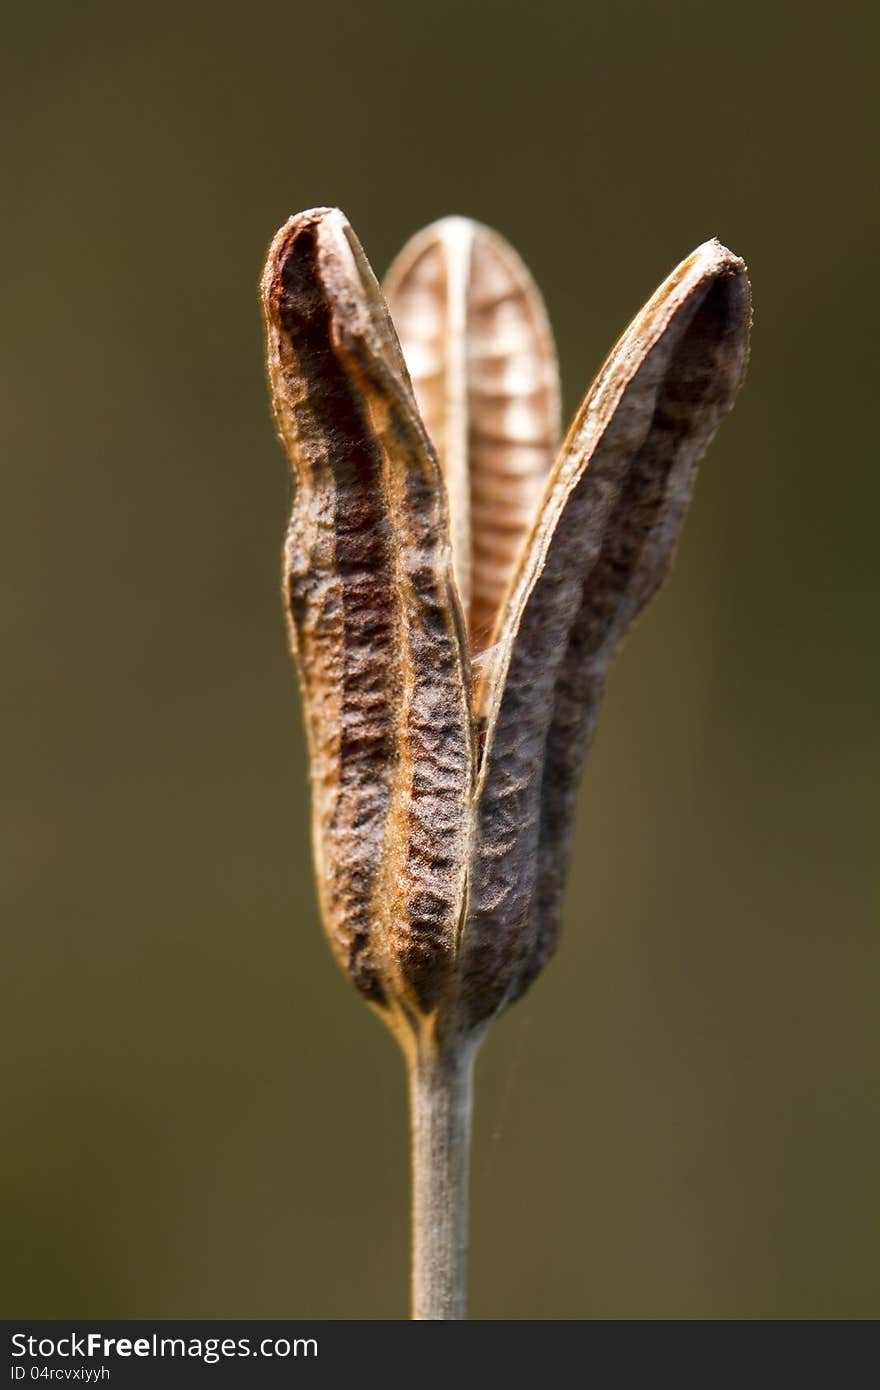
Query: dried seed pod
(374,620)
(442,817)
(478,345)
(602,545)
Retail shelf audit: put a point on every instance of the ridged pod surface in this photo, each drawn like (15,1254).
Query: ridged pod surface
(478,345)
(374,621)
(456,588)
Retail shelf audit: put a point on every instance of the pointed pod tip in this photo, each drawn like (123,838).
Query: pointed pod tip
(717,259)
(453,222)
(316,259)
(315,217)
(456,235)
(710,262)
(322,222)
(723,264)
(451,229)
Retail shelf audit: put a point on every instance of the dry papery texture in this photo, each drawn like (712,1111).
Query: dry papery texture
(455,596)
(478,345)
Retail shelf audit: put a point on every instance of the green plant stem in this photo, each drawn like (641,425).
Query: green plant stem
(441,1101)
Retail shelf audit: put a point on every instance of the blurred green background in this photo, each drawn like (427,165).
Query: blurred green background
(203,1119)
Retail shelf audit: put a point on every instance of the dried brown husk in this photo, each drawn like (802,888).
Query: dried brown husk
(452,672)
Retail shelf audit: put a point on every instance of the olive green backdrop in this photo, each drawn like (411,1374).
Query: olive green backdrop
(203,1119)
